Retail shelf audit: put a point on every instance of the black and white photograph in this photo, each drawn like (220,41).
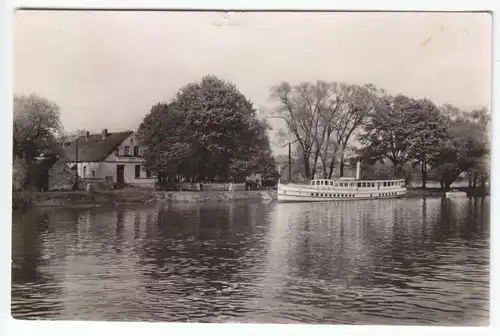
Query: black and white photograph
(257,167)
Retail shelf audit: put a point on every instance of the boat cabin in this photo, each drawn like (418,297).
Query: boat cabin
(355,184)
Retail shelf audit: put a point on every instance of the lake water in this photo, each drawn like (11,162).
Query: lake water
(403,261)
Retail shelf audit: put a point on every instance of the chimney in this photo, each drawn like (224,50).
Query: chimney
(358,168)
(104,134)
(87,135)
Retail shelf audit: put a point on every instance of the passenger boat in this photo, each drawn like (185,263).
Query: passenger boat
(321,190)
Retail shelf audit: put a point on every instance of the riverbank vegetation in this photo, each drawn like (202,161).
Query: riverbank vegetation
(332,124)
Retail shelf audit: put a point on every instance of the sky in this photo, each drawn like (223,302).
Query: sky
(107,69)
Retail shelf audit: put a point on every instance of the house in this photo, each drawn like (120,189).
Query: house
(114,157)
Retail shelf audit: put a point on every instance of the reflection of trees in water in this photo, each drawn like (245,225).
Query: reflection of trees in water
(33,283)
(199,246)
(465,218)
(366,243)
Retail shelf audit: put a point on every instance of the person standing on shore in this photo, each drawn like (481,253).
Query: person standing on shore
(230,186)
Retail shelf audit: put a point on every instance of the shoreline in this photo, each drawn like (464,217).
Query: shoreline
(138,196)
(147,196)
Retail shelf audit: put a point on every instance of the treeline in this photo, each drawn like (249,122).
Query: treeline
(333,123)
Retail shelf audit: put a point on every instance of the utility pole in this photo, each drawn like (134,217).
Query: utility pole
(289,162)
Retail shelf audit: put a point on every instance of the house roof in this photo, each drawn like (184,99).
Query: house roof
(94,148)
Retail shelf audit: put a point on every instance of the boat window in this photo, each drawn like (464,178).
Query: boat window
(385,184)
(359,184)
(313,182)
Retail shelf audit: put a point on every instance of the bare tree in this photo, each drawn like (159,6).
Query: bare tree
(358,101)
(322,117)
(299,117)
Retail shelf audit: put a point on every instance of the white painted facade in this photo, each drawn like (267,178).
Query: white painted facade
(124,155)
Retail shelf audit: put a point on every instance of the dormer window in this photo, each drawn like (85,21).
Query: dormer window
(126,150)
(136,150)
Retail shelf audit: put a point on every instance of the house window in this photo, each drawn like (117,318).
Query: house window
(136,150)
(148,173)
(137,171)
(93,173)
(127,150)
(84,171)
(117,153)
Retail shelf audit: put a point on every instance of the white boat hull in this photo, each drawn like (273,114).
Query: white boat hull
(307,193)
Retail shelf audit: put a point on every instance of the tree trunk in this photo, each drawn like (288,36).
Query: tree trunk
(474,181)
(441,182)
(315,163)
(342,160)
(424,174)
(325,168)
(307,166)
(469,175)
(332,165)
(341,166)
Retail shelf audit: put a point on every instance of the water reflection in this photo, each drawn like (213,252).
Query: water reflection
(400,261)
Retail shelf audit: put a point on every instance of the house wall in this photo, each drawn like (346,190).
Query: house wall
(108,167)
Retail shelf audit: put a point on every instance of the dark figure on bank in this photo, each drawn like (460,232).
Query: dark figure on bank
(248,185)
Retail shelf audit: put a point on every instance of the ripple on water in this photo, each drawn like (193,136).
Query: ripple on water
(387,262)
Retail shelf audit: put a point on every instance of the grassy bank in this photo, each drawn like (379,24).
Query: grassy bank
(141,196)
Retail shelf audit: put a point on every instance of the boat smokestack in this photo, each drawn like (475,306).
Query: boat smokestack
(358,169)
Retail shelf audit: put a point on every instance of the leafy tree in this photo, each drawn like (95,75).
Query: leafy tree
(386,134)
(208,131)
(466,149)
(429,131)
(35,130)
